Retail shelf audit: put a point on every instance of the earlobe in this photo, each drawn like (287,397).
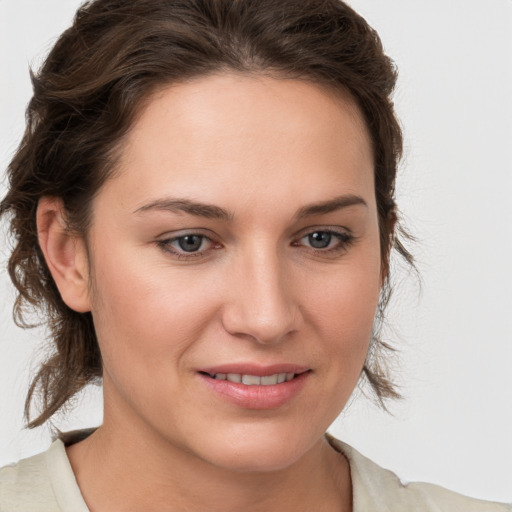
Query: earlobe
(65,254)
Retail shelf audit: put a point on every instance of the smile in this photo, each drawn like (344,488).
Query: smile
(254,380)
(253,387)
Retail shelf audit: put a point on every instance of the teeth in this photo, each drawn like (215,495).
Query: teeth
(255,380)
(269,380)
(251,380)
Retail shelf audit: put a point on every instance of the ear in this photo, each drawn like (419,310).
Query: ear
(65,254)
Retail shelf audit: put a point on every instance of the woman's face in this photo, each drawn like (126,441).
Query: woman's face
(238,241)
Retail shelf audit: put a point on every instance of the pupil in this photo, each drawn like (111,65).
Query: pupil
(190,243)
(320,239)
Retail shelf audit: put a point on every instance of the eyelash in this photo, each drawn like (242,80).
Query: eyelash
(166,246)
(345,240)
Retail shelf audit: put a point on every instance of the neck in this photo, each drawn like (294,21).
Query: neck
(129,469)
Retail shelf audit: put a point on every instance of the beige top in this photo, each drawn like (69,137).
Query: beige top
(46,483)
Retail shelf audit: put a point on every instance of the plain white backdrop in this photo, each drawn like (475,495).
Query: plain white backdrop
(454,98)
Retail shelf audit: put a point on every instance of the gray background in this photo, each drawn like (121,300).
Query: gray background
(455,337)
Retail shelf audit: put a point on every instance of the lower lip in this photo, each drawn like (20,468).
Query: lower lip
(257,397)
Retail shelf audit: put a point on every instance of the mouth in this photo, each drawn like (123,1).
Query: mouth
(256,387)
(254,380)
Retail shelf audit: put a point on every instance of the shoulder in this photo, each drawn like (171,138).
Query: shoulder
(27,486)
(376,488)
(41,483)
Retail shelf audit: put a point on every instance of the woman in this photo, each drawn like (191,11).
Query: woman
(203,206)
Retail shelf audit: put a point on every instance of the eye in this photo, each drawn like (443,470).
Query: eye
(188,245)
(326,240)
(320,239)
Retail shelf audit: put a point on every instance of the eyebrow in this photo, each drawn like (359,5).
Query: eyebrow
(211,211)
(330,206)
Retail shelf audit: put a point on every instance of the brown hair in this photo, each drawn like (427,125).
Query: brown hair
(93,84)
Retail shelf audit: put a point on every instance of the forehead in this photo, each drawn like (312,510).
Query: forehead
(218,134)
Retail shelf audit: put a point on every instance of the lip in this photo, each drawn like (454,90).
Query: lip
(256,396)
(255,369)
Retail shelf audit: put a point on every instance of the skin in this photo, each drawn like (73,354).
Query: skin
(262,149)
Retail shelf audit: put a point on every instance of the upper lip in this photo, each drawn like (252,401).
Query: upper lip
(254,369)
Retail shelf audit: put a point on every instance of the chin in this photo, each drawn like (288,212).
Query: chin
(256,449)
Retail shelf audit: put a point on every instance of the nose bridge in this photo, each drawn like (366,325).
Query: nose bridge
(262,304)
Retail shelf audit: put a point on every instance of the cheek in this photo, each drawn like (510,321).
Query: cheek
(147,326)
(142,313)
(344,301)
(342,310)
(349,323)
(340,313)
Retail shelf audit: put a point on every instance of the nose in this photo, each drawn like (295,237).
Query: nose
(262,304)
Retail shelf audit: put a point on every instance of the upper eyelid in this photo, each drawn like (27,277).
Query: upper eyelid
(343,237)
(176,238)
(329,229)
(173,235)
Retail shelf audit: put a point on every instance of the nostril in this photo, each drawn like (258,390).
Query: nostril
(261,328)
